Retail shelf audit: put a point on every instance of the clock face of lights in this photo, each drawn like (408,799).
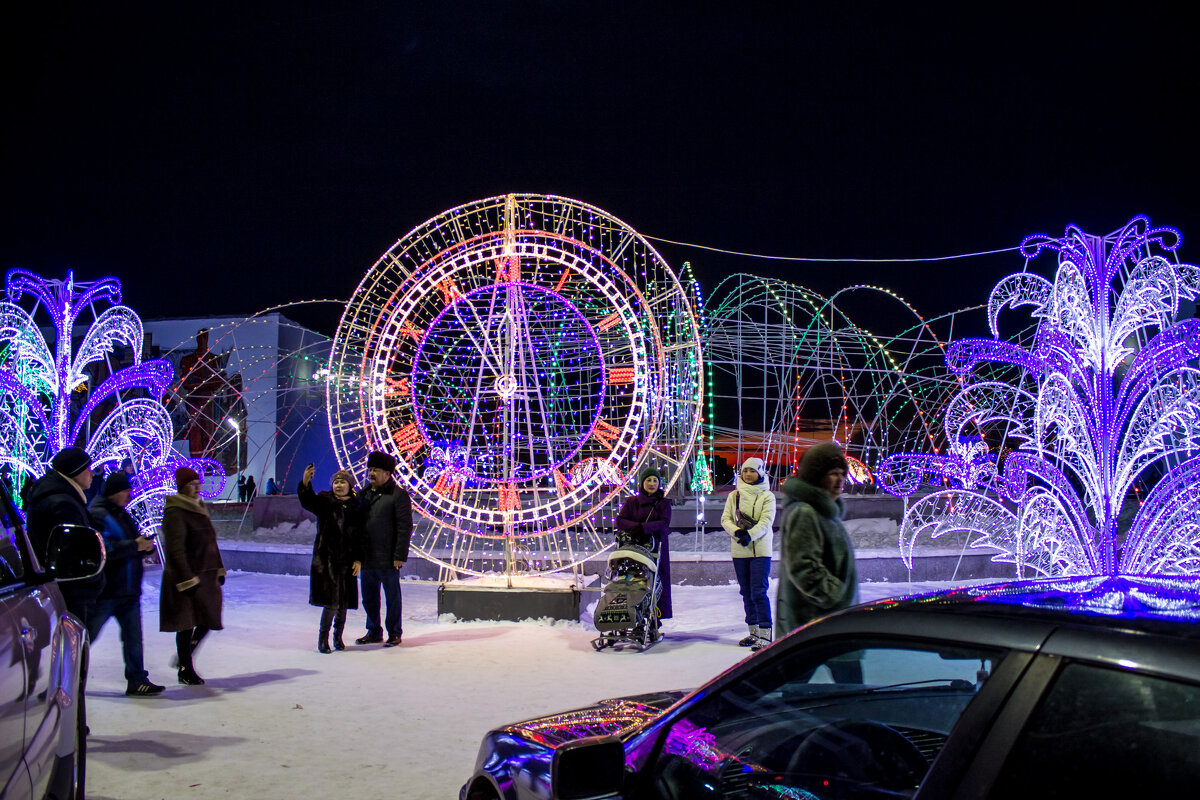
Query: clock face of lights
(519,356)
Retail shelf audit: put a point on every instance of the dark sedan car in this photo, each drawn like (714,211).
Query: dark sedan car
(43,650)
(1087,687)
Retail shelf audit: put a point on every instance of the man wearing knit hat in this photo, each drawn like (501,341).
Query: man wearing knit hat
(387,510)
(817,573)
(56,499)
(122,595)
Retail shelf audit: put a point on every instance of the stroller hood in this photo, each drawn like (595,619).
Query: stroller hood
(638,554)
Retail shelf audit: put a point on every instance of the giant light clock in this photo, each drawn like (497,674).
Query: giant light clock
(523,357)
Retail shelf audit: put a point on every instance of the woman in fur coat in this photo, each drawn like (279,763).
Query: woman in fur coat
(646,518)
(190,598)
(817,571)
(748,519)
(336,559)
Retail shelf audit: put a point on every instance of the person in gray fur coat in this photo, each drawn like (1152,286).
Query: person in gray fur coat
(817,571)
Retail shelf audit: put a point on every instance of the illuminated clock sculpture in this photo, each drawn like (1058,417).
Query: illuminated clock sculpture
(523,358)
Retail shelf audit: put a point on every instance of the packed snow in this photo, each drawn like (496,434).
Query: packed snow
(277,719)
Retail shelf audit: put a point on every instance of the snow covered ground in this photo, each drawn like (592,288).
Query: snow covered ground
(279,720)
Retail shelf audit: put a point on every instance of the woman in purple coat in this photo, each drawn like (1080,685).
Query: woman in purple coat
(646,518)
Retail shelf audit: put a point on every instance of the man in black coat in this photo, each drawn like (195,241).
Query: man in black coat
(55,499)
(387,510)
(122,595)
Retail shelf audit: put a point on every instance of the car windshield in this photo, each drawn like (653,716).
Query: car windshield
(855,720)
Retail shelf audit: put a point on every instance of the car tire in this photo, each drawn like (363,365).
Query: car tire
(481,789)
(79,771)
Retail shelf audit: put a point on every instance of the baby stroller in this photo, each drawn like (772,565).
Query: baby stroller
(627,614)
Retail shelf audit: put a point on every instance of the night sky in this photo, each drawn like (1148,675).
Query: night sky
(222,157)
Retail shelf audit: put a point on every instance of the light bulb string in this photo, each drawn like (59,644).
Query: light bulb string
(832,260)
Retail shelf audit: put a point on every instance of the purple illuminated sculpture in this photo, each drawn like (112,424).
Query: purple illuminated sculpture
(1050,468)
(48,399)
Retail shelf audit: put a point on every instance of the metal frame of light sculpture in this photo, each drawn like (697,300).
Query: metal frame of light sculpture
(1102,404)
(782,359)
(523,357)
(258,364)
(37,415)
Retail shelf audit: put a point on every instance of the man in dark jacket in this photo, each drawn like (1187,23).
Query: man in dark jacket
(387,510)
(56,499)
(122,595)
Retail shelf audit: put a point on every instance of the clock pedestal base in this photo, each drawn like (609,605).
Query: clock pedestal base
(469,601)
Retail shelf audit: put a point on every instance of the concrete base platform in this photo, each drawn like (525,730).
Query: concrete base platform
(469,600)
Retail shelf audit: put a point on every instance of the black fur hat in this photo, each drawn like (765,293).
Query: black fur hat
(378,460)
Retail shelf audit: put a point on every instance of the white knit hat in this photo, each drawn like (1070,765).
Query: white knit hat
(755,464)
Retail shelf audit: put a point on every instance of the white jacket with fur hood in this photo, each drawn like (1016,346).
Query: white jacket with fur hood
(757,502)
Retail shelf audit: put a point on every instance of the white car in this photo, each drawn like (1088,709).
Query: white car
(43,653)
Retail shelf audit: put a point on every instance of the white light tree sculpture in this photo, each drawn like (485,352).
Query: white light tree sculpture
(48,402)
(1104,402)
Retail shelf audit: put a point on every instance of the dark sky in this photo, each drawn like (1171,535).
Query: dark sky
(221,157)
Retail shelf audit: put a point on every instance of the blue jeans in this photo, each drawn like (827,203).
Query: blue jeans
(372,581)
(752,575)
(128,611)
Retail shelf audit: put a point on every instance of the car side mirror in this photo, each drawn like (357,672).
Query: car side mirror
(587,768)
(74,552)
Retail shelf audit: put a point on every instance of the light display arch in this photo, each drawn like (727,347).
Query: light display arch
(788,366)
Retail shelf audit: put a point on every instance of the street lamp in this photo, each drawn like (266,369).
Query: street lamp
(237,432)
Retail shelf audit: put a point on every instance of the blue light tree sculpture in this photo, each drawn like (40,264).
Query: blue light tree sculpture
(1104,401)
(39,384)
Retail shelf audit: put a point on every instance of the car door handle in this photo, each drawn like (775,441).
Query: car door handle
(29,635)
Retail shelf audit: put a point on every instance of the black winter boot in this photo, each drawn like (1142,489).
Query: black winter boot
(339,625)
(323,632)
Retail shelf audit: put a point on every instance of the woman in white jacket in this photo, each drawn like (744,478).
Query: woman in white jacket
(748,519)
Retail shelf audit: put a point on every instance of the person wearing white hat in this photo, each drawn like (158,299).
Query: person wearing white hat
(748,519)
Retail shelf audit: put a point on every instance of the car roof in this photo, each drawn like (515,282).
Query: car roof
(1158,604)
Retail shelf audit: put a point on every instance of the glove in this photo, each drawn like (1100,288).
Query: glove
(190,591)
(743,537)
(221,580)
(636,530)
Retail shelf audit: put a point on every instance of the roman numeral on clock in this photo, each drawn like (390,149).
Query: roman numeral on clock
(409,439)
(605,433)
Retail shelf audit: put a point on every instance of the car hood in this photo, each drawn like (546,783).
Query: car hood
(617,716)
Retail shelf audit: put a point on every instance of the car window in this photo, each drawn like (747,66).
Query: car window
(858,719)
(1108,733)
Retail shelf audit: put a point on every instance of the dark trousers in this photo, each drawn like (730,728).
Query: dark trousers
(752,575)
(128,611)
(388,580)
